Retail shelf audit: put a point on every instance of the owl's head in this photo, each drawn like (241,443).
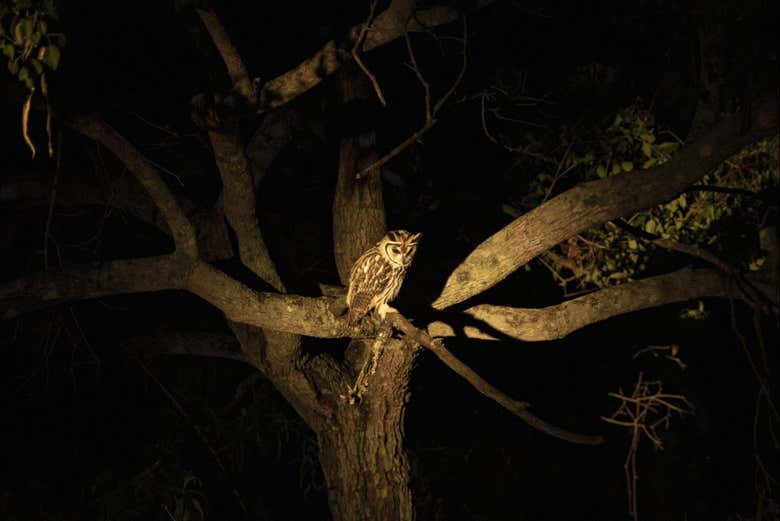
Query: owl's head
(399,247)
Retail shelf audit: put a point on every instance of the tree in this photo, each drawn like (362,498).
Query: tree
(362,442)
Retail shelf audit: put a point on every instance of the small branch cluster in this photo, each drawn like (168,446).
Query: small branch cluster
(431,111)
(643,413)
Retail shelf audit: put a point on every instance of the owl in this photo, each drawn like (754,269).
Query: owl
(377,275)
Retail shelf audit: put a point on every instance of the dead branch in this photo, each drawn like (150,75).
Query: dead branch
(519,409)
(181,228)
(591,203)
(647,409)
(431,114)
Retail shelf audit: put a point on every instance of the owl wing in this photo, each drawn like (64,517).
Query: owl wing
(368,280)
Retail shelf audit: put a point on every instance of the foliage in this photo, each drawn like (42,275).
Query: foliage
(165,484)
(263,428)
(26,40)
(724,222)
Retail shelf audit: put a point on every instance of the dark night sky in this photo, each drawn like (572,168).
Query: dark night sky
(79,412)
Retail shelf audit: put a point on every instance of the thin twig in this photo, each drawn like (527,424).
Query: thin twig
(430,114)
(416,68)
(359,61)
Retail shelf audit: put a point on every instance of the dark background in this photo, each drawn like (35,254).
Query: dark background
(80,418)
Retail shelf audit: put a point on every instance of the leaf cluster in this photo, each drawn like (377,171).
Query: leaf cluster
(721,214)
(27,42)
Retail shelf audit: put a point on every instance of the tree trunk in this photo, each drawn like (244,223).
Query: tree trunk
(362,448)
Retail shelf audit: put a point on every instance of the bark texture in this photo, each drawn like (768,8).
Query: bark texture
(358,209)
(363,450)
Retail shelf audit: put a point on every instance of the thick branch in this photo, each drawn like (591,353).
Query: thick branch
(239,203)
(388,25)
(91,281)
(592,203)
(554,322)
(236,70)
(358,207)
(519,409)
(181,228)
(274,133)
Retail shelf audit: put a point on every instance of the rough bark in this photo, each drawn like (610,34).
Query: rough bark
(558,321)
(595,202)
(358,209)
(362,448)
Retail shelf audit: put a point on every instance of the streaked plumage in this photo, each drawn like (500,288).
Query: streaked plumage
(376,277)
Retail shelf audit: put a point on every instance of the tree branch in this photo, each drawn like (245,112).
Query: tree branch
(358,205)
(52,287)
(388,25)
(238,201)
(192,343)
(519,409)
(431,114)
(595,202)
(239,78)
(181,228)
(558,321)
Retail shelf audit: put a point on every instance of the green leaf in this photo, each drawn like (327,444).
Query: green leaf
(23,73)
(52,57)
(13,67)
(650,226)
(23,29)
(37,66)
(8,51)
(647,149)
(632,245)
(615,168)
(627,166)
(647,164)
(601,171)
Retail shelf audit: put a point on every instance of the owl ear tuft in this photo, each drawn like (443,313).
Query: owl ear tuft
(415,238)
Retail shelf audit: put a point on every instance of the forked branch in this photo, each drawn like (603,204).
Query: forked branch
(431,114)
(595,202)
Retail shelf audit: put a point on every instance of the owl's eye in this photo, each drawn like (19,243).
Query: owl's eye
(395,249)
